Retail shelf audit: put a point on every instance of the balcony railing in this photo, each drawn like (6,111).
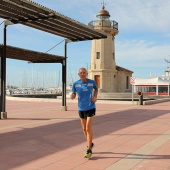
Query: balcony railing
(104,23)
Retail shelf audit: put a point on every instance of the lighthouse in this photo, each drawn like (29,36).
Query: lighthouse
(103,65)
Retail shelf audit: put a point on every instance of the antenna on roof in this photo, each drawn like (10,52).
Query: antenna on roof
(168,61)
(104,4)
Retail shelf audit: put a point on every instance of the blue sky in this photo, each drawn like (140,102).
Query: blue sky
(141,45)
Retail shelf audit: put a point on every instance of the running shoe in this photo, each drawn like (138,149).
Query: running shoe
(88,153)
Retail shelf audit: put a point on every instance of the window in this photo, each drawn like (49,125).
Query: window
(127,82)
(98,55)
(163,89)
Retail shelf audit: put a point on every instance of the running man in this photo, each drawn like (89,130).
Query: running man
(87,91)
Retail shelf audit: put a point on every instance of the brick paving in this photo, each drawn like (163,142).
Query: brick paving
(39,136)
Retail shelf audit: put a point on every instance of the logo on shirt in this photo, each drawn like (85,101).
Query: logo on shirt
(78,85)
(84,87)
(90,84)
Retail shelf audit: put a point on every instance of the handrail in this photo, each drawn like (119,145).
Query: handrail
(113,24)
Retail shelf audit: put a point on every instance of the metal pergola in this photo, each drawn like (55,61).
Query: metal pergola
(31,14)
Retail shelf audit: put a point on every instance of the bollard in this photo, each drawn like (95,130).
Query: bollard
(140,94)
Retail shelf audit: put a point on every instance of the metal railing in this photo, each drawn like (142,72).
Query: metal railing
(112,24)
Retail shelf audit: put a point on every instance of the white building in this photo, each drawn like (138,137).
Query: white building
(159,85)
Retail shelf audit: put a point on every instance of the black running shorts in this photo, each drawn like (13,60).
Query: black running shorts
(88,113)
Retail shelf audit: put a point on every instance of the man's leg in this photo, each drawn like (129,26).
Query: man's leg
(89,134)
(83,124)
(87,129)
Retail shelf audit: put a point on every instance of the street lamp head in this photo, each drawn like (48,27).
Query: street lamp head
(8,22)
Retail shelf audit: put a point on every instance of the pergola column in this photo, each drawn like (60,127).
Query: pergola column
(3,114)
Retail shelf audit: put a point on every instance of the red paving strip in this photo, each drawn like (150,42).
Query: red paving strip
(38,135)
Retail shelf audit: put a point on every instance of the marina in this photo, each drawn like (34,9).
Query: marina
(35,93)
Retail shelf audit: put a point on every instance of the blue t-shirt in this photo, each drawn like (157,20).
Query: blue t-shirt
(85,94)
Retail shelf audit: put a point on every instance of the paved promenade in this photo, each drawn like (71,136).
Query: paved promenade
(39,136)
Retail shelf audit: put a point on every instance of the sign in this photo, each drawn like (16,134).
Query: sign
(132,80)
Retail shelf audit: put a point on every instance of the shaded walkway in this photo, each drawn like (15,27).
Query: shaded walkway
(37,135)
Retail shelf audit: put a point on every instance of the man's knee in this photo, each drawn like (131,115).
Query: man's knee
(88,129)
(84,129)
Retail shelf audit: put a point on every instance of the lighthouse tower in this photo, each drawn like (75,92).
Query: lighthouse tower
(103,66)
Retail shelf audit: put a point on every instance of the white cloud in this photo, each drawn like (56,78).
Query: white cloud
(166,35)
(142,57)
(141,14)
(141,50)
